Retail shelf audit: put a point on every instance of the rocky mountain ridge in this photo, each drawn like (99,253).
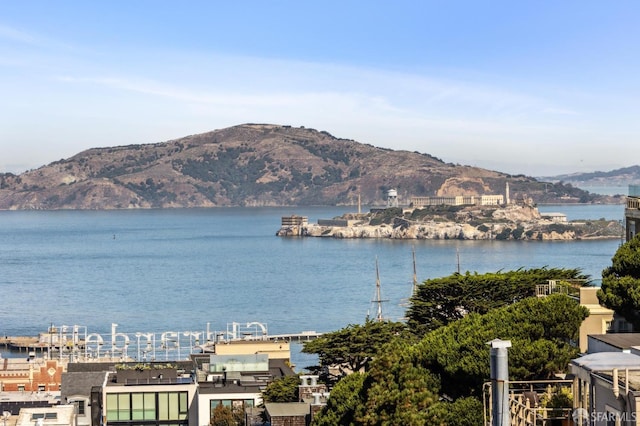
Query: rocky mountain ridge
(257,165)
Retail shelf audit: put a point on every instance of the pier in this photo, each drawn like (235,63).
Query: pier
(75,343)
(303,336)
(22,343)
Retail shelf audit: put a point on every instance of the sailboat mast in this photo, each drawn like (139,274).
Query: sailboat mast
(378,293)
(415,275)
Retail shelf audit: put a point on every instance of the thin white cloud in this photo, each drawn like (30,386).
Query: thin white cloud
(450,114)
(559,111)
(394,92)
(13,34)
(26,42)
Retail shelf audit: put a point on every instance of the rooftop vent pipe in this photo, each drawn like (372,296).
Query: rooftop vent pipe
(500,415)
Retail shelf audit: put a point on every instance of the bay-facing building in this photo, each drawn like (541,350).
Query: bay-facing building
(632,212)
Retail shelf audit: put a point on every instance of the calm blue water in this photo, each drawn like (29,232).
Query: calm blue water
(160,270)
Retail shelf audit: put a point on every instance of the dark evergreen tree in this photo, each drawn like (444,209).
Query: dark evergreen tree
(404,380)
(443,300)
(353,347)
(541,331)
(620,289)
(461,412)
(341,406)
(284,389)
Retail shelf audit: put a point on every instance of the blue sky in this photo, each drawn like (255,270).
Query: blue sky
(534,87)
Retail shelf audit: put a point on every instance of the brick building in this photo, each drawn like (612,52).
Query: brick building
(30,374)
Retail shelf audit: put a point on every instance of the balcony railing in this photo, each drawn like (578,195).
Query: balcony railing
(633,203)
(526,400)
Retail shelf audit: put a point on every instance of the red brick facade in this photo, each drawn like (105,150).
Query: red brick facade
(30,376)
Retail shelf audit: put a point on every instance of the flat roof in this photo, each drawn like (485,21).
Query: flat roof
(602,365)
(618,340)
(247,382)
(607,361)
(287,409)
(56,415)
(51,397)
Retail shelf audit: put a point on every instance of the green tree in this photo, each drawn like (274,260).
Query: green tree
(354,346)
(620,288)
(404,380)
(344,401)
(541,331)
(398,389)
(461,412)
(284,389)
(440,301)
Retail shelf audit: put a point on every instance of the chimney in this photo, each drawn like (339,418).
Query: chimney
(316,398)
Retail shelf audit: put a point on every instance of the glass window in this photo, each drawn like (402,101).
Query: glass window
(172,405)
(233,404)
(124,406)
(80,407)
(112,406)
(137,406)
(184,406)
(149,406)
(142,407)
(163,406)
(119,406)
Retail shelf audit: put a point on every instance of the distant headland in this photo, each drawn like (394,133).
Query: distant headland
(259,165)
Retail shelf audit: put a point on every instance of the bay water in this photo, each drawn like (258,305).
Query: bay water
(199,269)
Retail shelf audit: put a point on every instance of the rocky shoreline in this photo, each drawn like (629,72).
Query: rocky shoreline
(469,223)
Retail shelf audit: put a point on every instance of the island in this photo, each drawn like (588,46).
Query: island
(518,221)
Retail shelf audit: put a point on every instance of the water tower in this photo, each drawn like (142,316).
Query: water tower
(392,198)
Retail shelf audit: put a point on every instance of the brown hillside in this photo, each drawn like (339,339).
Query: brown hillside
(253,165)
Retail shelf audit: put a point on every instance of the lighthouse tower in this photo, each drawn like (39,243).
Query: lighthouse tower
(506,198)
